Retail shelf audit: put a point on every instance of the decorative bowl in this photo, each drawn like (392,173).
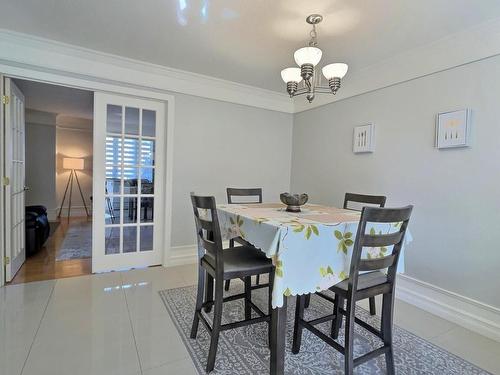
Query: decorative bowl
(293,201)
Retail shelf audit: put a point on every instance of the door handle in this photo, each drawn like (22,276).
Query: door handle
(26,188)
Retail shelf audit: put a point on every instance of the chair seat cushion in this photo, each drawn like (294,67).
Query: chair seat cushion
(242,261)
(365,281)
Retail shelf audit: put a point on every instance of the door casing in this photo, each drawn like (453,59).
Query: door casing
(2,188)
(95,83)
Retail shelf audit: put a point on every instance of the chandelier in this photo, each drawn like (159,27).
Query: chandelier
(307,58)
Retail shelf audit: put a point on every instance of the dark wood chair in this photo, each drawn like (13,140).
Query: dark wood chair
(374,200)
(218,264)
(360,286)
(232,198)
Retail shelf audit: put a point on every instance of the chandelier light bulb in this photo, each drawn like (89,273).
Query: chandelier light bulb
(291,75)
(308,55)
(335,70)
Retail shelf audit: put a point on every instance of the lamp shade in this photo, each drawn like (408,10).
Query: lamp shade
(308,55)
(336,70)
(73,163)
(291,75)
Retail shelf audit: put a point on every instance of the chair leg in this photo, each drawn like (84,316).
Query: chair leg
(387,323)
(248,297)
(307,301)
(349,338)
(297,327)
(216,324)
(270,303)
(337,321)
(228,282)
(199,301)
(373,309)
(209,292)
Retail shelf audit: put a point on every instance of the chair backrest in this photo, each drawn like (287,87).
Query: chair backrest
(376,200)
(207,229)
(398,218)
(246,193)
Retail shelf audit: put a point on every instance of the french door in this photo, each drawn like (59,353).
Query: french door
(14,179)
(128,183)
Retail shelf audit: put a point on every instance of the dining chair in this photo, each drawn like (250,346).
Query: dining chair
(361,199)
(245,195)
(373,282)
(220,264)
(376,200)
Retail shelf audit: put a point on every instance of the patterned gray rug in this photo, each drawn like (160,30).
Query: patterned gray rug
(77,243)
(245,351)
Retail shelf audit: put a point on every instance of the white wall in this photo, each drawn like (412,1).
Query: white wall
(74,143)
(456,192)
(40,158)
(219,144)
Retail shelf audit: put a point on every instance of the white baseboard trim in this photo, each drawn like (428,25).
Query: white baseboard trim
(187,254)
(181,255)
(466,312)
(76,211)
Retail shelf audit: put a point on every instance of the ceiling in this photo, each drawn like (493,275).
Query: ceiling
(66,102)
(246,41)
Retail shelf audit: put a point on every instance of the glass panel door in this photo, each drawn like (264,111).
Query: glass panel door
(129,208)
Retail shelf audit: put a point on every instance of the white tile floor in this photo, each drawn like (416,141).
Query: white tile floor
(115,323)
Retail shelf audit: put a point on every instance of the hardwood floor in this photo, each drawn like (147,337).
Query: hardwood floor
(43,265)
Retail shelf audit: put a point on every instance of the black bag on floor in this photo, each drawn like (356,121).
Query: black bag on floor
(37,228)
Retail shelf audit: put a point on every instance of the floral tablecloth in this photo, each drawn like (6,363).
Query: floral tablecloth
(311,249)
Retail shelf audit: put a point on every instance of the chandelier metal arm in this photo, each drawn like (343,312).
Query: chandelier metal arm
(317,89)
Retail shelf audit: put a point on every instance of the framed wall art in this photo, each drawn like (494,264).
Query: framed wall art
(453,129)
(364,139)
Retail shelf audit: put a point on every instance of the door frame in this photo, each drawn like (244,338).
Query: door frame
(2,188)
(95,83)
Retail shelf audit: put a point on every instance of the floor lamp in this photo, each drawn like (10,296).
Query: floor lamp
(73,164)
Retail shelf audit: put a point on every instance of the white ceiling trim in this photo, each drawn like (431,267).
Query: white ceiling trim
(471,45)
(46,55)
(18,50)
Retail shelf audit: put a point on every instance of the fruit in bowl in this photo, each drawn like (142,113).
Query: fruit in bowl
(293,201)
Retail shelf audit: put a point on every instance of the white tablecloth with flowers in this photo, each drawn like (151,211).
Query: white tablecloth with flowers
(311,249)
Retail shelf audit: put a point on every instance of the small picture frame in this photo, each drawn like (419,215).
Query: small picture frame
(453,129)
(363,139)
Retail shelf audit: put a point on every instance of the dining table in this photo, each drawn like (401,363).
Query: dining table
(310,250)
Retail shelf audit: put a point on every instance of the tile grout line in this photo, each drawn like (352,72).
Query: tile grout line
(131,325)
(442,333)
(38,328)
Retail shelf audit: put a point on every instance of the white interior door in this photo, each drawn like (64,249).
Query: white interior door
(129,188)
(15,180)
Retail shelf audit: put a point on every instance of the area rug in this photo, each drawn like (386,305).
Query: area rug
(245,350)
(77,243)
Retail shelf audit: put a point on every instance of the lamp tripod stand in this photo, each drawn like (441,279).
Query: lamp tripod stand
(72,175)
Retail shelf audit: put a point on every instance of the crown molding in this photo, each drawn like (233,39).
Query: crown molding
(44,55)
(40,54)
(471,45)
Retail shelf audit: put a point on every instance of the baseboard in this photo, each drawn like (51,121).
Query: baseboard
(187,254)
(181,255)
(466,312)
(76,211)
